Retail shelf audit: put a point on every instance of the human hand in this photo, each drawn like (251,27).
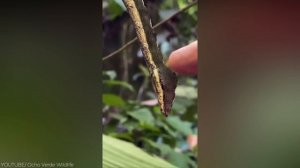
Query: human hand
(185,60)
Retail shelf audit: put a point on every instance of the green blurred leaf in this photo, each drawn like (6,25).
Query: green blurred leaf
(110,73)
(191,113)
(120,2)
(180,108)
(119,83)
(163,148)
(142,115)
(124,136)
(156,109)
(121,118)
(151,127)
(167,4)
(193,10)
(121,154)
(169,140)
(179,159)
(167,128)
(151,95)
(114,9)
(113,100)
(181,3)
(145,118)
(192,82)
(180,104)
(130,125)
(181,126)
(186,91)
(144,70)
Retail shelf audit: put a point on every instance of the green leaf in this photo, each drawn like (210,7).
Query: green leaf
(113,100)
(180,104)
(120,2)
(179,107)
(167,129)
(145,118)
(131,125)
(151,95)
(181,126)
(121,118)
(119,83)
(114,9)
(124,136)
(143,115)
(193,10)
(181,3)
(110,73)
(190,114)
(192,82)
(186,91)
(121,154)
(163,148)
(167,4)
(179,159)
(144,70)
(156,109)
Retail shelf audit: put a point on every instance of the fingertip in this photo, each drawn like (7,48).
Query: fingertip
(171,60)
(184,60)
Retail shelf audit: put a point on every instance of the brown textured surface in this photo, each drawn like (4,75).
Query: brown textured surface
(164,80)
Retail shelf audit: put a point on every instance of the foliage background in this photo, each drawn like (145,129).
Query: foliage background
(129,111)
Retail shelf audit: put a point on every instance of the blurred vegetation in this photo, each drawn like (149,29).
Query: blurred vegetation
(132,157)
(130,111)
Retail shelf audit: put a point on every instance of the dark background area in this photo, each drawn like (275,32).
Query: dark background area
(249,84)
(50,82)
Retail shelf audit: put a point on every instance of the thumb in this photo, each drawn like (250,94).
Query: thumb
(184,60)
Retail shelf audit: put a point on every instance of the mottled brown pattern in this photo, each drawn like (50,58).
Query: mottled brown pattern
(164,81)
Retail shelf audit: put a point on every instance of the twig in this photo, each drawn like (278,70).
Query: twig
(154,27)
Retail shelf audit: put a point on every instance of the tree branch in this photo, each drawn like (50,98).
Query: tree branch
(154,27)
